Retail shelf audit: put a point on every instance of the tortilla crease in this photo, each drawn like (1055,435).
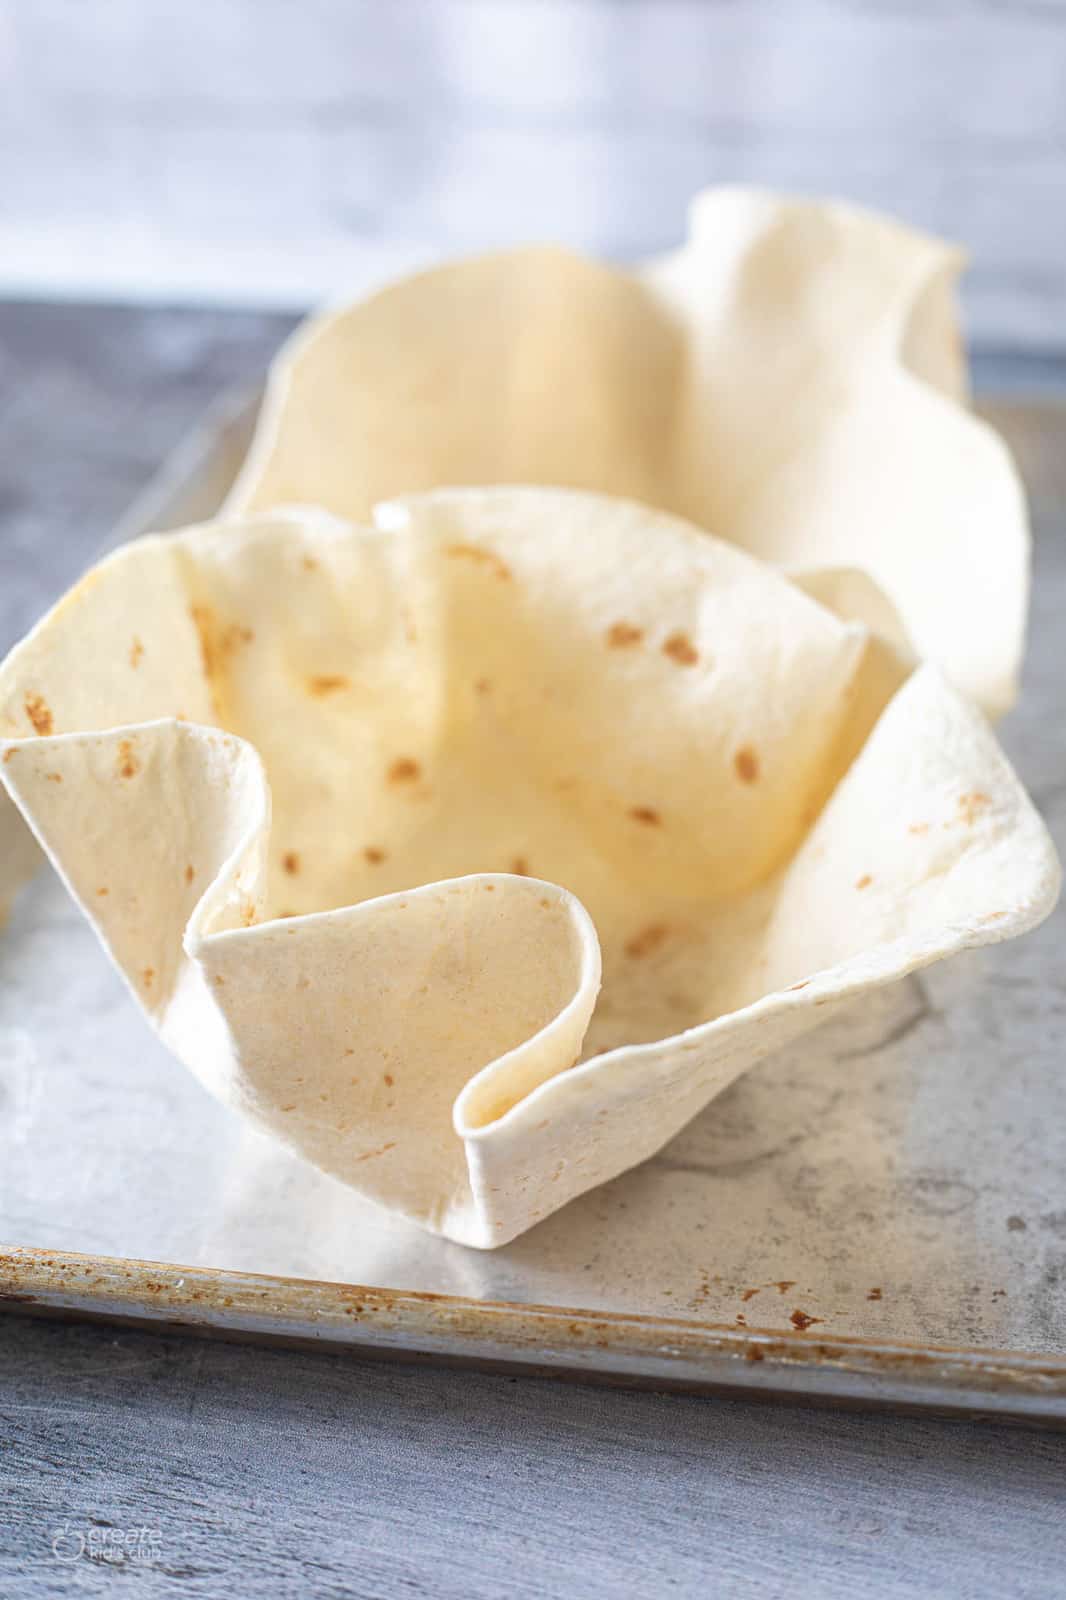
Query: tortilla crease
(473,852)
(792,380)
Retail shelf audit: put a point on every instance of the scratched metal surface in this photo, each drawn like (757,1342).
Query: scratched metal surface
(902,1174)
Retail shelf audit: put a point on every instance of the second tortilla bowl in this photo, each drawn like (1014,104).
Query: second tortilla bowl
(473,851)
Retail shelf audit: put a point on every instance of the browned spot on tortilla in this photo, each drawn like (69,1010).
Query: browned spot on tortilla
(40,714)
(368,1155)
(328,683)
(623,635)
(647,940)
(749,1294)
(646,814)
(874,1294)
(309,564)
(489,888)
(389,1079)
(286,1108)
(128,765)
(103,891)
(483,685)
(783,1285)
(291,862)
(679,648)
(10,753)
(802,1321)
(753,1353)
(794,986)
(219,981)
(350,1052)
(746,763)
(404,770)
(148,974)
(486,558)
(136,652)
(54,777)
(545,903)
(971,806)
(520,867)
(918,827)
(218,642)
(993,916)
(374,855)
(247,913)
(190,873)
(864,882)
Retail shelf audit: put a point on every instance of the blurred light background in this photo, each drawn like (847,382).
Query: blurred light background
(276,152)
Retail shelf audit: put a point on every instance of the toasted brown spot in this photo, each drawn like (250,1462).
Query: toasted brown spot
(753,1353)
(404,770)
(128,765)
(873,1294)
(389,1079)
(784,1284)
(623,635)
(54,777)
(647,940)
(646,814)
(802,1321)
(219,981)
(374,855)
(749,1294)
(368,1155)
(247,913)
(287,1108)
(794,986)
(40,714)
(679,648)
(10,753)
(190,873)
(103,891)
(971,806)
(520,867)
(291,862)
(148,974)
(136,652)
(545,903)
(486,558)
(864,882)
(746,763)
(328,683)
(489,888)
(217,642)
(483,685)
(993,916)
(309,564)
(918,827)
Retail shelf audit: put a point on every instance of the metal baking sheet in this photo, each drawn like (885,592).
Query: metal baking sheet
(877,1214)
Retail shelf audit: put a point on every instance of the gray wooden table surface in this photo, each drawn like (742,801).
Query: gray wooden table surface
(170,1466)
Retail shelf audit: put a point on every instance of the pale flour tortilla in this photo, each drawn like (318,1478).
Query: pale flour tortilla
(388,827)
(792,380)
